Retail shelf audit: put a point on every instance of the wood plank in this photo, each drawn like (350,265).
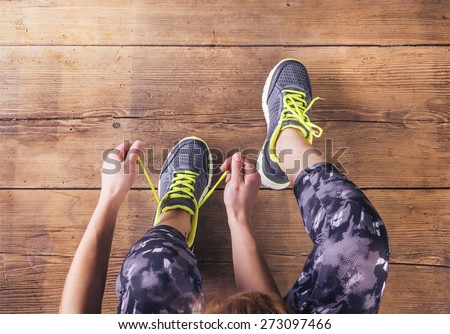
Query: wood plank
(403,85)
(224,22)
(67,153)
(52,222)
(411,284)
(33,284)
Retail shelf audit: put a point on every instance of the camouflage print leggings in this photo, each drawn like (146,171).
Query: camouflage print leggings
(345,272)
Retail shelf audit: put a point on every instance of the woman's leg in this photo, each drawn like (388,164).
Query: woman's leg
(347,269)
(160,274)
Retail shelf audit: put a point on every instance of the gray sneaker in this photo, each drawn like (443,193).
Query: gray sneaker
(185,179)
(286,102)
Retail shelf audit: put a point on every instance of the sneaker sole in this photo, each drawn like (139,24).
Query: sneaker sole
(265,95)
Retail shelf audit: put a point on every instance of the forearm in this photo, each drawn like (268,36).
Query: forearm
(250,267)
(85,283)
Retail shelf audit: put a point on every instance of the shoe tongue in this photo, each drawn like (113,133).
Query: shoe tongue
(179,203)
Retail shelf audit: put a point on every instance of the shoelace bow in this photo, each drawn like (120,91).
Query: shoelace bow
(295,109)
(183,182)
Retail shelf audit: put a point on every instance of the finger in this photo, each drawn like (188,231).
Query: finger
(117,153)
(228,178)
(133,153)
(249,166)
(226,164)
(126,147)
(236,168)
(251,174)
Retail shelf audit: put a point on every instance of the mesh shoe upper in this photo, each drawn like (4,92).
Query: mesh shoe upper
(289,75)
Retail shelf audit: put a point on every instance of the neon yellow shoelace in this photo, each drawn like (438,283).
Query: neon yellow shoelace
(182,186)
(182,182)
(295,109)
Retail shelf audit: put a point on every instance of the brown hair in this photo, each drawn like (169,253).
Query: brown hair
(247,303)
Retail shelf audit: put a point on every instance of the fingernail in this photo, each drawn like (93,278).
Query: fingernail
(237,156)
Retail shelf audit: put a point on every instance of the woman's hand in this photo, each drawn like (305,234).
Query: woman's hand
(250,268)
(241,188)
(119,172)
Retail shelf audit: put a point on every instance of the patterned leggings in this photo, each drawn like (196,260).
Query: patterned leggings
(345,272)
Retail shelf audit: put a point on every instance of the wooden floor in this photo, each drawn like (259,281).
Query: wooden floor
(78,77)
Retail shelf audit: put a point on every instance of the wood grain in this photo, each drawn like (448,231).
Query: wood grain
(79,77)
(402,85)
(52,222)
(266,22)
(68,153)
(33,284)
